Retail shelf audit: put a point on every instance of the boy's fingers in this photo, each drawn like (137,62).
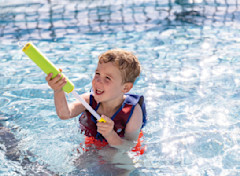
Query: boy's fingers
(62,82)
(48,76)
(57,78)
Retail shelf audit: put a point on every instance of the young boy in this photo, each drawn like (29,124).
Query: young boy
(124,114)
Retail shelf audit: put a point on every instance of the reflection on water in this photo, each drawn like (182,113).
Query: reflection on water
(108,161)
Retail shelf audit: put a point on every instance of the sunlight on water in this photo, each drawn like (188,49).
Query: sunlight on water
(189,51)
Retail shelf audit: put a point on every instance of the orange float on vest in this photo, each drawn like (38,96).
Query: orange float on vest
(139,149)
(92,142)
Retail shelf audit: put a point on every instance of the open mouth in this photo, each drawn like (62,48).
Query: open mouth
(99,91)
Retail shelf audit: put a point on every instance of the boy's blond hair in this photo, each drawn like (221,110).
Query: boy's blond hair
(126,62)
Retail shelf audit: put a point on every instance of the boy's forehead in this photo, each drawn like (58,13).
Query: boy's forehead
(108,68)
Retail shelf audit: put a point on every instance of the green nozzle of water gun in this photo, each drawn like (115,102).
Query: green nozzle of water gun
(46,65)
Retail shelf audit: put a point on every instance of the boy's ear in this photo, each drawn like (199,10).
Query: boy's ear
(127,87)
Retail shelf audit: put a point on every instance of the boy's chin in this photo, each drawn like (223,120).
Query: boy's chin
(96,97)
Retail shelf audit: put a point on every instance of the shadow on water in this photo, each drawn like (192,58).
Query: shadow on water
(108,161)
(13,153)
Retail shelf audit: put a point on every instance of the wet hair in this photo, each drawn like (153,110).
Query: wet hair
(125,61)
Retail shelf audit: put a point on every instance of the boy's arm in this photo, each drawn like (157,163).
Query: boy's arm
(63,110)
(131,132)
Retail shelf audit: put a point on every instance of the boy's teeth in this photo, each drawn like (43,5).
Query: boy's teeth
(99,91)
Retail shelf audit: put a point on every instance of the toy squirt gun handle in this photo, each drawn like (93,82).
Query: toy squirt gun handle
(38,58)
(47,66)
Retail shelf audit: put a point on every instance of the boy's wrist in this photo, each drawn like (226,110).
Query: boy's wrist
(58,91)
(113,139)
(110,134)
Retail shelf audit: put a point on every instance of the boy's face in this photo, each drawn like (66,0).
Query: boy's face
(107,83)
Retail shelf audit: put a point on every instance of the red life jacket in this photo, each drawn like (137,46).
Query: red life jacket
(120,118)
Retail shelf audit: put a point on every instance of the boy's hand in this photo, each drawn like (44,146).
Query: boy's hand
(56,83)
(105,128)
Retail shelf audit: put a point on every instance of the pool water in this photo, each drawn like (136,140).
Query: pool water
(189,51)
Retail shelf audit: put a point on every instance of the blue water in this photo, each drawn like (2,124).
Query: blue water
(189,51)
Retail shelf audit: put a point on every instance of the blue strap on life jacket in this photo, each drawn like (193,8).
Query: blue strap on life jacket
(134,100)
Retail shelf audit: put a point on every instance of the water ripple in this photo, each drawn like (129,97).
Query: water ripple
(190,79)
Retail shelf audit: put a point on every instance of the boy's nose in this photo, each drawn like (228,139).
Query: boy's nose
(99,80)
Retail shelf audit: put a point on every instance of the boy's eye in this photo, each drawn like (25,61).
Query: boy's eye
(108,78)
